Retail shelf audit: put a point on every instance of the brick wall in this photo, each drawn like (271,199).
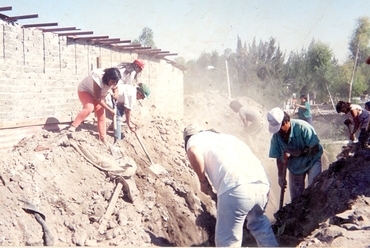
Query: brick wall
(39,74)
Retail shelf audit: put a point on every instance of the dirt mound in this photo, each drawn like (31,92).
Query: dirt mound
(73,194)
(47,176)
(333,211)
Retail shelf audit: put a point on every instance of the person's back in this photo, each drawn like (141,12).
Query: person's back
(248,113)
(241,183)
(126,95)
(228,161)
(363,116)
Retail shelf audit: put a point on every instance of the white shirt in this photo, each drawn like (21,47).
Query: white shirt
(363,115)
(128,78)
(95,76)
(228,161)
(127,95)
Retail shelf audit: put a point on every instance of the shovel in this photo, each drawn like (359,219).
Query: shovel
(156,168)
(115,151)
(282,190)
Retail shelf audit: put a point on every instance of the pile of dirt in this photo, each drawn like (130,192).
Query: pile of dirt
(334,211)
(57,187)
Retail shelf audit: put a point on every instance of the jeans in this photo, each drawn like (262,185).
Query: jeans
(297,182)
(363,137)
(120,112)
(246,201)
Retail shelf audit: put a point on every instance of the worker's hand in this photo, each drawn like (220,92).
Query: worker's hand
(113,113)
(132,128)
(115,96)
(204,187)
(347,122)
(352,137)
(282,182)
(293,152)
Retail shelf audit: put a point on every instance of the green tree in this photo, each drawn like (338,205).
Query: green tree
(320,62)
(146,38)
(359,48)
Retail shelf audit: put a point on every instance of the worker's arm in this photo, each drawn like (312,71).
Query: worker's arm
(101,99)
(197,162)
(355,114)
(281,165)
(245,122)
(300,106)
(128,121)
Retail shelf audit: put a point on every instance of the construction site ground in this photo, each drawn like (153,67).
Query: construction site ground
(59,188)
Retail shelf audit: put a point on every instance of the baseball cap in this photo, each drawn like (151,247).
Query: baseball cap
(139,63)
(144,89)
(275,118)
(191,130)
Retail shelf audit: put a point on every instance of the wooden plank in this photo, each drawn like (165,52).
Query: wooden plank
(58,29)
(40,25)
(129,46)
(75,33)
(16,18)
(6,8)
(116,42)
(91,37)
(33,122)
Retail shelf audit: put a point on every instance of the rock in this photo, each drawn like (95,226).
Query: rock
(79,236)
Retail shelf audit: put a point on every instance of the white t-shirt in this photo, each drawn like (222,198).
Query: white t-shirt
(363,116)
(128,78)
(228,161)
(87,84)
(127,95)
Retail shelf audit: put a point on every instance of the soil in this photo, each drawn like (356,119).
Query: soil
(54,194)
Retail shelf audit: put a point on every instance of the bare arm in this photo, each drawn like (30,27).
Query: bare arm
(98,97)
(197,162)
(355,114)
(128,121)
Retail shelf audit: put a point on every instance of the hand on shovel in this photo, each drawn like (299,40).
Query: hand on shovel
(133,128)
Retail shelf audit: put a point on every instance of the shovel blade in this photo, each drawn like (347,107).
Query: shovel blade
(158,169)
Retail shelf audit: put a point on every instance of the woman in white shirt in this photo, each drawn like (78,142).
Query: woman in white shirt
(130,71)
(91,92)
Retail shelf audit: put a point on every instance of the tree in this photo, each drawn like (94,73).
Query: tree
(358,47)
(145,38)
(320,65)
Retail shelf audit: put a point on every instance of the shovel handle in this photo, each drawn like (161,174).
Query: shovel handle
(282,191)
(147,154)
(114,102)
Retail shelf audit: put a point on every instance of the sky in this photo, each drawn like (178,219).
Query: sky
(191,27)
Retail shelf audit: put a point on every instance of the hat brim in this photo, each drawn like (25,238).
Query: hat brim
(274,128)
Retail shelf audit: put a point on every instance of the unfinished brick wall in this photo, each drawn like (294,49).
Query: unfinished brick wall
(39,74)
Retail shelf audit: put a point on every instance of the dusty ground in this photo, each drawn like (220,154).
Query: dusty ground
(73,191)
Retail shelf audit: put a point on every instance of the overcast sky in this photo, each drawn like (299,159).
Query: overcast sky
(190,27)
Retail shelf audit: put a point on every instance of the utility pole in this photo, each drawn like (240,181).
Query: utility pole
(228,79)
(353,72)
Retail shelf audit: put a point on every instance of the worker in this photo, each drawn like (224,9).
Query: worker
(130,71)
(125,100)
(240,181)
(92,91)
(249,117)
(304,110)
(296,147)
(357,117)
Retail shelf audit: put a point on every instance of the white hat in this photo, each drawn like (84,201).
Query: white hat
(275,118)
(191,130)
